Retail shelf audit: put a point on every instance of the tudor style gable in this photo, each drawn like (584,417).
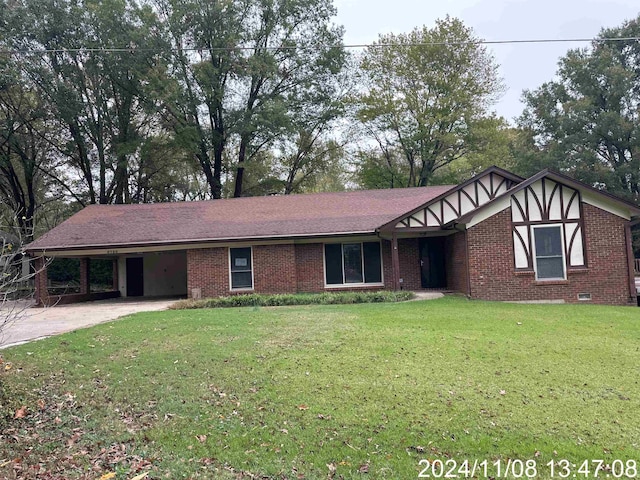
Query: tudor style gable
(459,201)
(556,210)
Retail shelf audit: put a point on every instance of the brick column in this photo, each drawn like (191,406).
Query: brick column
(395,262)
(84,275)
(114,276)
(41,290)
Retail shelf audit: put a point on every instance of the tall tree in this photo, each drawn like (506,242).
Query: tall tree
(24,130)
(242,71)
(95,94)
(425,94)
(587,121)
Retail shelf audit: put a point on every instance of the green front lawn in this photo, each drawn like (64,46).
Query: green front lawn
(338,391)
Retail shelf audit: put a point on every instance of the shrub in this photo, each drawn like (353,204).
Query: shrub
(280,299)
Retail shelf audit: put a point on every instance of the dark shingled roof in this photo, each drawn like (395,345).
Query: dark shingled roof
(239,218)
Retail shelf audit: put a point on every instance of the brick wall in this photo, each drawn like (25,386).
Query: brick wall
(493,275)
(208,270)
(294,268)
(274,268)
(409,257)
(456,262)
(309,267)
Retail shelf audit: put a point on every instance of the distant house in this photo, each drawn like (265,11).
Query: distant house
(494,237)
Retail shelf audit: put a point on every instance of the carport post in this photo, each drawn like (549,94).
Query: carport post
(84,275)
(114,275)
(41,287)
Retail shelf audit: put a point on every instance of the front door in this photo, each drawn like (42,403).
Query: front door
(135,277)
(432,264)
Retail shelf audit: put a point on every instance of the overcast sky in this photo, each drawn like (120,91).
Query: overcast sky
(522,66)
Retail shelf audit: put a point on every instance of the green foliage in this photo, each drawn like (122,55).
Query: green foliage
(279,300)
(426,100)
(64,270)
(587,122)
(230,105)
(300,391)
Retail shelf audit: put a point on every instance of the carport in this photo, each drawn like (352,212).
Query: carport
(135,273)
(153,274)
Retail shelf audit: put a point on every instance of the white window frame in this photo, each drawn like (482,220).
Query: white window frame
(253,267)
(362,284)
(562,248)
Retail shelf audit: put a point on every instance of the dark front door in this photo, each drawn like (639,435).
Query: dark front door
(432,264)
(135,277)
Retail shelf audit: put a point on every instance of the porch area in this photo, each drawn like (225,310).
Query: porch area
(62,280)
(429,261)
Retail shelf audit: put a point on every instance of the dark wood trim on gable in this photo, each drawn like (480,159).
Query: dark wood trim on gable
(507,180)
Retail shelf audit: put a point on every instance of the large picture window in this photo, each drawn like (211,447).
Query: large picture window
(241,268)
(352,263)
(549,260)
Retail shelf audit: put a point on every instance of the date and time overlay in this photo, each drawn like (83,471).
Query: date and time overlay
(510,468)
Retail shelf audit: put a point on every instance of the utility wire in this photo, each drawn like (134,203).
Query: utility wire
(297,47)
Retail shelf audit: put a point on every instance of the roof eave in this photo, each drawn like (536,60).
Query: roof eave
(190,242)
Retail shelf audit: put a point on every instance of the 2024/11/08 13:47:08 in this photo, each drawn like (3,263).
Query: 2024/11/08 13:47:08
(528,469)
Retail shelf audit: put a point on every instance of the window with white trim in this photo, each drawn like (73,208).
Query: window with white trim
(352,263)
(549,252)
(241,268)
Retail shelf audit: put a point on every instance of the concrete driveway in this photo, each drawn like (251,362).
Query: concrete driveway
(44,322)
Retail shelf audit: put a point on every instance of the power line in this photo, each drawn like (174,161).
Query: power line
(298,47)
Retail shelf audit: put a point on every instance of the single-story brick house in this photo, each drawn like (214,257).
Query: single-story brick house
(496,237)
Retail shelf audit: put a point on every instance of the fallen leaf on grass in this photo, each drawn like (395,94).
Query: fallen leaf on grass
(41,404)
(107,476)
(303,407)
(364,468)
(5,463)
(21,412)
(201,438)
(141,476)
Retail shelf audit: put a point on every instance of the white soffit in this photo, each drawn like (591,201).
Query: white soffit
(603,203)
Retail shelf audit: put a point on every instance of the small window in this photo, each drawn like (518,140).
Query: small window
(550,262)
(241,268)
(352,263)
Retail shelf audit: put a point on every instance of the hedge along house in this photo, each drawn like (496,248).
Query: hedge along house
(496,237)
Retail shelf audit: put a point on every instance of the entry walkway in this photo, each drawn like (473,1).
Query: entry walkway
(44,322)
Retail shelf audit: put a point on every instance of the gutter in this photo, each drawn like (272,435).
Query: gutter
(178,243)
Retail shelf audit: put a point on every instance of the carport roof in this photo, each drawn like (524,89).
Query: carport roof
(310,215)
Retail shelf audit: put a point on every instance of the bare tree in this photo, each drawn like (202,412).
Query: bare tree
(17,274)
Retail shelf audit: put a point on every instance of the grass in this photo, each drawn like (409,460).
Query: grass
(355,391)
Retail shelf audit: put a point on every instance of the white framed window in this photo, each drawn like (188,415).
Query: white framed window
(548,250)
(352,263)
(241,268)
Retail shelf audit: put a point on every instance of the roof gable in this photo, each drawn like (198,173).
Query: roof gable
(542,188)
(456,202)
